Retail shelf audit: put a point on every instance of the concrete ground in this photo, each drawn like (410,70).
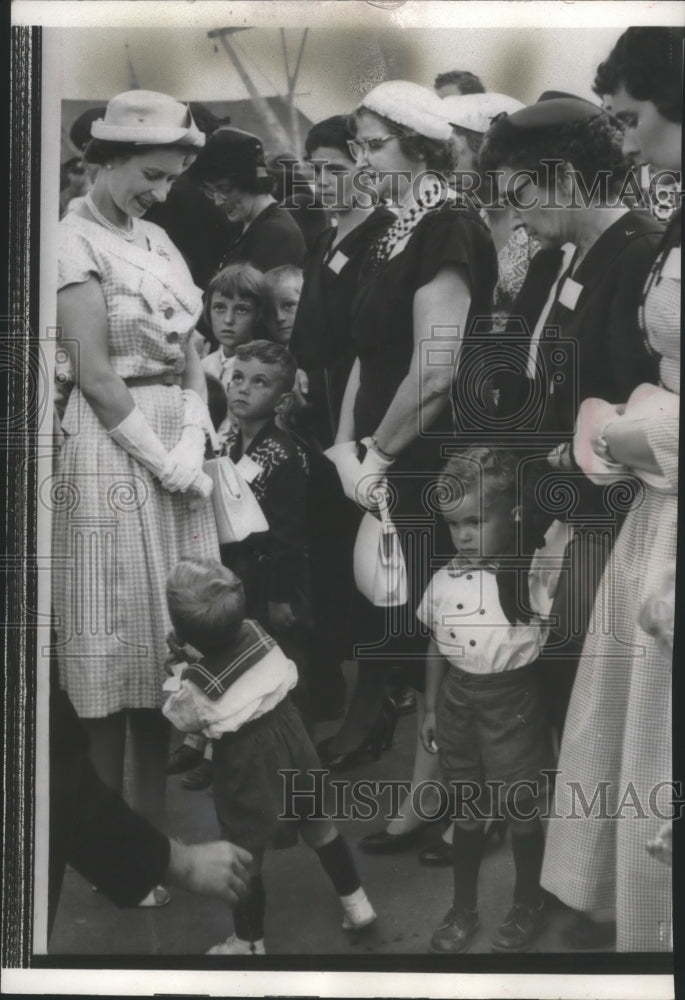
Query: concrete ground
(303,913)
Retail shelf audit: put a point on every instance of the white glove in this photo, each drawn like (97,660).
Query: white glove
(187,456)
(136,437)
(344,458)
(371,482)
(184,461)
(195,412)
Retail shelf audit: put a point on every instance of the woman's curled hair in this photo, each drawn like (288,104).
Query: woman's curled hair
(648,62)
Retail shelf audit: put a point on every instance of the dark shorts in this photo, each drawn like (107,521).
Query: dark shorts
(493,728)
(249,793)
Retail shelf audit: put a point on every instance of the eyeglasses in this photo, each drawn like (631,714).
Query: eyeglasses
(217,191)
(362,147)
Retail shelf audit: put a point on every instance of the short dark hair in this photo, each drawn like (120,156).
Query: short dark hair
(246,281)
(467,82)
(270,353)
(206,604)
(333,132)
(437,153)
(648,62)
(589,146)
(100,151)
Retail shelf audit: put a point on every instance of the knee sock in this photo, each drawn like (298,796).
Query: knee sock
(248,916)
(467,849)
(528,848)
(339,866)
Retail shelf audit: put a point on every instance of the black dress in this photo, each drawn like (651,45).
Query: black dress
(321,339)
(383,331)
(271,240)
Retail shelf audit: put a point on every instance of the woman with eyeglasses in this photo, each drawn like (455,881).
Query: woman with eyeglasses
(618,730)
(232,172)
(129,496)
(560,164)
(421,284)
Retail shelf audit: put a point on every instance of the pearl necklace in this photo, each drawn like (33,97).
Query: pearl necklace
(126,234)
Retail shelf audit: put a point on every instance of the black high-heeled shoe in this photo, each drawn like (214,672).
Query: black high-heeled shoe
(378,739)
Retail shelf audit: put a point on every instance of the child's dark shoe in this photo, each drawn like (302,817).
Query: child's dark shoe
(521,927)
(455,932)
(199,778)
(183,759)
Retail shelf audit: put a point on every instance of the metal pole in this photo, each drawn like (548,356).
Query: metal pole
(273,126)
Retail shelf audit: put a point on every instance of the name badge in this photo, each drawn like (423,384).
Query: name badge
(671,268)
(337,262)
(569,294)
(248,468)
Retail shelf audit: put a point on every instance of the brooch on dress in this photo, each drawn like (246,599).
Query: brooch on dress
(163,253)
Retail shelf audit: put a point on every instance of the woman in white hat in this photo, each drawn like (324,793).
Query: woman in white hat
(424,278)
(129,496)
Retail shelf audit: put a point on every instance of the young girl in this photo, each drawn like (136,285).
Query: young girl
(237,309)
(238,694)
(484,715)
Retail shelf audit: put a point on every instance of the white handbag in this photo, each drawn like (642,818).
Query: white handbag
(380,572)
(236,510)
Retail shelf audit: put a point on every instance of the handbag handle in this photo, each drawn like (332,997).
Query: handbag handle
(388,538)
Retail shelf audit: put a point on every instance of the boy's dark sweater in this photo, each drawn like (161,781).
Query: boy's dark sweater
(273,563)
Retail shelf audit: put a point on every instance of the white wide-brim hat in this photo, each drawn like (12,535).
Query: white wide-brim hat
(476,111)
(148,118)
(411,105)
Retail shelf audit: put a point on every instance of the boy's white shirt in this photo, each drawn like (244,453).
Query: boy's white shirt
(254,693)
(478,637)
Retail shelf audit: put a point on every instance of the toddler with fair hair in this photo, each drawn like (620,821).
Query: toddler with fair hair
(238,695)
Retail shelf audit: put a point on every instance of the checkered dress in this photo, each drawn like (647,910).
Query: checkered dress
(116,532)
(618,727)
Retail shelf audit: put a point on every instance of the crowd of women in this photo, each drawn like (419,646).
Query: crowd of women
(483,312)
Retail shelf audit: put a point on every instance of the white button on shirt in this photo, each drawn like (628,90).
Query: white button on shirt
(463,611)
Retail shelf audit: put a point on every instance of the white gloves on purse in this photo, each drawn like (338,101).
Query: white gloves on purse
(136,437)
(361,481)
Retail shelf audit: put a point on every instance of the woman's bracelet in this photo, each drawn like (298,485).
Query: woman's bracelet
(383,454)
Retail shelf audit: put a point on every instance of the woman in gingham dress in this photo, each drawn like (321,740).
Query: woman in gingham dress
(618,728)
(129,496)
